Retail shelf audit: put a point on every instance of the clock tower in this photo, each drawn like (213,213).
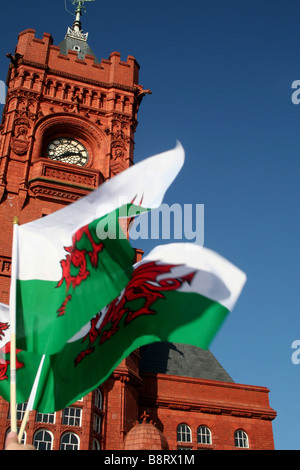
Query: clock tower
(68,125)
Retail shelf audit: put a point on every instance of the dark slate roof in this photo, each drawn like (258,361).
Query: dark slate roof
(181,360)
(68,45)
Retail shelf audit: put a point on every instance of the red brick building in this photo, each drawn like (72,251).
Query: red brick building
(68,125)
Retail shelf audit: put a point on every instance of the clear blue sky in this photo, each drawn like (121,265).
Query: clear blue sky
(220,74)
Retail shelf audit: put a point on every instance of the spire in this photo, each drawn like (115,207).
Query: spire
(76,32)
(75,38)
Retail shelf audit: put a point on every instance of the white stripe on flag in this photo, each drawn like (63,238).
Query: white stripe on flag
(46,238)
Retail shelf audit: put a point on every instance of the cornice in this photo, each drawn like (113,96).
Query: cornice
(69,76)
(127,375)
(210,408)
(44,188)
(200,381)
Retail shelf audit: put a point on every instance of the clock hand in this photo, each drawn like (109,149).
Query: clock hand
(68,154)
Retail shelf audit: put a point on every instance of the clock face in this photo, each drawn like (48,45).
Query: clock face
(67,150)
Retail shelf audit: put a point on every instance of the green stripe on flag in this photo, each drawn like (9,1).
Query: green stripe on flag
(93,273)
(27,365)
(182,318)
(179,293)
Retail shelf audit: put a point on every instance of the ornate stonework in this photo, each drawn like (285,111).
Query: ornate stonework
(20,140)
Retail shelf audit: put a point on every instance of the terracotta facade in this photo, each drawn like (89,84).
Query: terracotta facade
(50,95)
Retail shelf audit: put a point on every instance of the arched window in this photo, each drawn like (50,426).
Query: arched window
(67,92)
(49,87)
(96,445)
(76,91)
(27,80)
(85,95)
(35,82)
(58,91)
(203,435)
(69,441)
(97,423)
(241,439)
(118,103)
(102,101)
(126,105)
(43,440)
(94,99)
(184,433)
(98,399)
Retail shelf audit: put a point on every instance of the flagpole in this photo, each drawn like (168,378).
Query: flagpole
(12,308)
(30,403)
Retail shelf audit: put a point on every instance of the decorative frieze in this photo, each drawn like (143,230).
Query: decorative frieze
(62,182)
(70,176)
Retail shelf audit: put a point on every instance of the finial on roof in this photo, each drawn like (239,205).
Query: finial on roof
(76,31)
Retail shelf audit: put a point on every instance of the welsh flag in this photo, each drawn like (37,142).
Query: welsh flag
(74,262)
(179,293)
(27,364)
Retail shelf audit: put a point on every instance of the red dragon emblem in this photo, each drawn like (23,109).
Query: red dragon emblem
(76,259)
(3,353)
(3,327)
(144,285)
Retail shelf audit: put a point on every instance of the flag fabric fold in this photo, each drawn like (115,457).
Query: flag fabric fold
(72,263)
(178,293)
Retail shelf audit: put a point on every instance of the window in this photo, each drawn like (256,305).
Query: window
(96,445)
(72,416)
(98,399)
(97,424)
(184,433)
(203,435)
(49,87)
(241,439)
(47,418)
(43,440)
(21,408)
(69,441)
(67,92)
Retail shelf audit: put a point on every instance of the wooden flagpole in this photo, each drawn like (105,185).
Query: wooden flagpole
(12,308)
(30,403)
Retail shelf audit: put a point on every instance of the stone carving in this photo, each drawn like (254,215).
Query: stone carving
(14,59)
(20,140)
(65,175)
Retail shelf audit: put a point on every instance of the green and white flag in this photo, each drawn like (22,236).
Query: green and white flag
(26,363)
(75,261)
(179,293)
